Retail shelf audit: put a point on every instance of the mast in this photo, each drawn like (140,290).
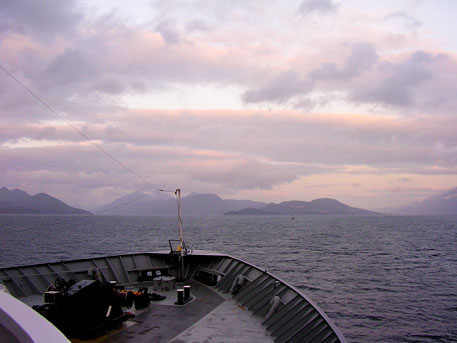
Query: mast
(182,247)
(181,239)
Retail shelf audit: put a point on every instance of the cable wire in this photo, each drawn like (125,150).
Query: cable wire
(33,94)
(82,133)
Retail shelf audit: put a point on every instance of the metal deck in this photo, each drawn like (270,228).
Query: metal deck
(215,314)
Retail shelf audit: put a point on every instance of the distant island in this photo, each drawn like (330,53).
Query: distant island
(138,203)
(323,206)
(162,204)
(444,203)
(17,201)
(195,204)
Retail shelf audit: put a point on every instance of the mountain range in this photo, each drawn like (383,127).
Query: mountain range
(163,204)
(444,203)
(17,201)
(323,206)
(195,204)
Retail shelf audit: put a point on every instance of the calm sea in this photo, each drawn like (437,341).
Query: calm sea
(381,279)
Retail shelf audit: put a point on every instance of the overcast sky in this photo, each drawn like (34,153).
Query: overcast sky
(265,100)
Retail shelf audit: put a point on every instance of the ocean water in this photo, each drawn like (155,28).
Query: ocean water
(380,279)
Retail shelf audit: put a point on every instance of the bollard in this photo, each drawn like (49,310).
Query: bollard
(180,293)
(186,293)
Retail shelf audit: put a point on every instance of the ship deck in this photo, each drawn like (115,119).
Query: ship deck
(210,317)
(262,309)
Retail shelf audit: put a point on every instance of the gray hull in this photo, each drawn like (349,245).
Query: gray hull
(232,300)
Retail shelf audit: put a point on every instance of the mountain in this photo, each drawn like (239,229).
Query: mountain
(13,195)
(324,206)
(249,211)
(139,204)
(444,203)
(163,204)
(17,201)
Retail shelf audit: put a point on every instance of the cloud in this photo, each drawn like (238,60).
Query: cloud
(222,151)
(105,60)
(317,6)
(93,68)
(286,138)
(196,25)
(280,89)
(168,32)
(398,87)
(43,20)
(108,60)
(405,180)
(410,22)
(362,58)
(291,84)
(71,66)
(236,173)
(407,83)
(412,84)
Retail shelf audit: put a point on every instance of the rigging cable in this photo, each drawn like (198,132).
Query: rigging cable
(157,189)
(178,201)
(82,133)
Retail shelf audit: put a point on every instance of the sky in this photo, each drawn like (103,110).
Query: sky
(267,100)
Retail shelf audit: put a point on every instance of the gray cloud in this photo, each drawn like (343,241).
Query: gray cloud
(237,173)
(325,140)
(400,82)
(223,151)
(317,6)
(280,89)
(72,66)
(41,19)
(83,66)
(362,58)
(106,59)
(84,170)
(290,84)
(196,25)
(410,22)
(410,85)
(96,68)
(168,32)
(405,180)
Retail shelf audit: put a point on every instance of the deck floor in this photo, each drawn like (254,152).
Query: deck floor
(210,317)
(227,323)
(162,321)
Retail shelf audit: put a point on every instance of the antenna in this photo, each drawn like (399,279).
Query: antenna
(181,247)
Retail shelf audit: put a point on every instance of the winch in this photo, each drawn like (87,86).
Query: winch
(86,307)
